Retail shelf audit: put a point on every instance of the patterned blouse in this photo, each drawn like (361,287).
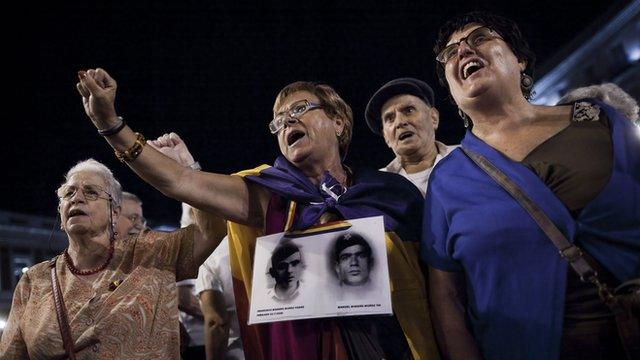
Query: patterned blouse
(128,311)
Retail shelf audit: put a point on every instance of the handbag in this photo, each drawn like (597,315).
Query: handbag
(61,312)
(623,301)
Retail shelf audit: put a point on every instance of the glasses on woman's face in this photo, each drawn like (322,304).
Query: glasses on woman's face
(296,110)
(474,39)
(90,192)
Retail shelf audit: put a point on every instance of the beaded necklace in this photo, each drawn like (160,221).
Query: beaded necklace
(74,270)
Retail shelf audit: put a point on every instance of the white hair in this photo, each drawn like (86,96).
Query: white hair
(91,165)
(609,93)
(131,196)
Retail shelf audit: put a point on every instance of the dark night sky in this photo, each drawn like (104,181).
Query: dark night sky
(210,72)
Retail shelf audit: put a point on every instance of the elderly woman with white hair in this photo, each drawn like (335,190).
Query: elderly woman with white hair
(105,296)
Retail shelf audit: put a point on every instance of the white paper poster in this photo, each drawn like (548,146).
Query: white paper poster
(324,272)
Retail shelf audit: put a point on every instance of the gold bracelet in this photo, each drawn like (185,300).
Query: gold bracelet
(132,153)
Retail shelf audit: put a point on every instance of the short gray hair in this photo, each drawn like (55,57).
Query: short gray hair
(609,93)
(130,196)
(91,165)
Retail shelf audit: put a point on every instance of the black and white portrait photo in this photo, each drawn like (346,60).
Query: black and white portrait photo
(337,269)
(353,259)
(286,268)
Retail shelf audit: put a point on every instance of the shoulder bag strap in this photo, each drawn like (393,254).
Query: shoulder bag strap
(61,311)
(568,251)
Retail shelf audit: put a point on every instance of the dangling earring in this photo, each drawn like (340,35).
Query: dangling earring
(465,118)
(526,83)
(113,231)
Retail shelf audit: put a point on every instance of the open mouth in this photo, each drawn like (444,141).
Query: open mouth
(294,136)
(471,67)
(76,212)
(405,135)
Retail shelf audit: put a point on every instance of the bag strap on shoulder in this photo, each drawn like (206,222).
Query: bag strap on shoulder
(61,312)
(570,252)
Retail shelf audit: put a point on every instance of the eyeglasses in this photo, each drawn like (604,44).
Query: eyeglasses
(296,110)
(136,219)
(90,192)
(474,39)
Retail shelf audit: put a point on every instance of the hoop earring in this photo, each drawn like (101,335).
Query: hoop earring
(526,83)
(465,118)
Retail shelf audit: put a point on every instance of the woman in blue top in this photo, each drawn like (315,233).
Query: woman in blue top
(499,288)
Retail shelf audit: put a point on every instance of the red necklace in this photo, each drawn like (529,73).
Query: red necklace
(74,270)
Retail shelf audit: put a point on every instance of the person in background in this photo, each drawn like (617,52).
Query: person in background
(404,113)
(131,220)
(214,286)
(192,319)
(191,315)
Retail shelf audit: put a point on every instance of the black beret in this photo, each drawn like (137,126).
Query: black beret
(393,88)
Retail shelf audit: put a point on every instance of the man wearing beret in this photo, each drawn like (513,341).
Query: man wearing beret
(403,112)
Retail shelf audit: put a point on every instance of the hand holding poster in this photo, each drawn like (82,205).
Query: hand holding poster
(338,269)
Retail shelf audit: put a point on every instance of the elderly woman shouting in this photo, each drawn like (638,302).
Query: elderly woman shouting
(507,214)
(308,185)
(105,297)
